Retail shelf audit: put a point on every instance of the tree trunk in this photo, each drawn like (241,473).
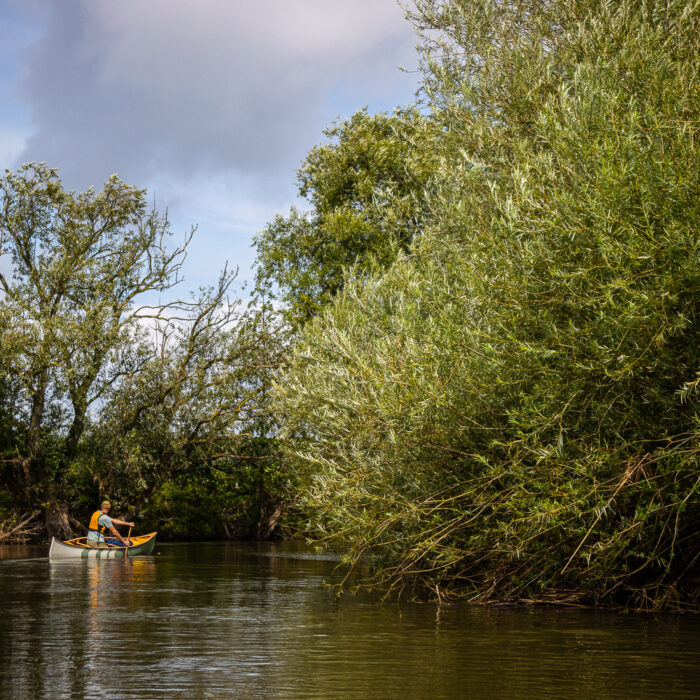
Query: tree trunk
(57,522)
(267,525)
(74,435)
(37,415)
(34,469)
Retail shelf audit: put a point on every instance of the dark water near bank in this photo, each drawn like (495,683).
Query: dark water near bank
(247,620)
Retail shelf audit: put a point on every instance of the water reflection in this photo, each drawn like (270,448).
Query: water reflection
(221,620)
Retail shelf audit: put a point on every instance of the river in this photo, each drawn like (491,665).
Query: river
(231,620)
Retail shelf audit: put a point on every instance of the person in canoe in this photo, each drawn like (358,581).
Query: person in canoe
(100,523)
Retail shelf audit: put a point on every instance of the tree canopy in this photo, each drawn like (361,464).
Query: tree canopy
(102,390)
(364,188)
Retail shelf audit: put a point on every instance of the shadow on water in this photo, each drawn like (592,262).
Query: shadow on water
(245,620)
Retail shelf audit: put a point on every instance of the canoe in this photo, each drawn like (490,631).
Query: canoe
(79,549)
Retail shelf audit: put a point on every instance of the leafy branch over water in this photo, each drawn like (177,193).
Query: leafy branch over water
(508,410)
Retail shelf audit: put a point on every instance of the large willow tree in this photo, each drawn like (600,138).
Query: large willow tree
(511,410)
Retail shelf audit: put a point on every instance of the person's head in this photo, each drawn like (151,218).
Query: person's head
(106,505)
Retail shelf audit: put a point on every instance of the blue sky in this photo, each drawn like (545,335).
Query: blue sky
(209,104)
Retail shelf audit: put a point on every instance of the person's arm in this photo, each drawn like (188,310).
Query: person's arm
(111,522)
(115,532)
(121,522)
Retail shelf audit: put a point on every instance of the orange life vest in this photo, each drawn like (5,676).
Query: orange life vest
(94,525)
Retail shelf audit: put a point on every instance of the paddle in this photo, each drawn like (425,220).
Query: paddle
(126,551)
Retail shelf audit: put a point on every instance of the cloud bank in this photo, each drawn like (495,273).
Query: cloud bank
(187,87)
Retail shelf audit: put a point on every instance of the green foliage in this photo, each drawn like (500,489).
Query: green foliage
(79,261)
(365,189)
(235,500)
(101,396)
(499,415)
(189,432)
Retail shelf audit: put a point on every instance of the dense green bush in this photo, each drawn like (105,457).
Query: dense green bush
(511,410)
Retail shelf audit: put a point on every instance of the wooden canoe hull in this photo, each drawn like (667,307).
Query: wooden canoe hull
(79,549)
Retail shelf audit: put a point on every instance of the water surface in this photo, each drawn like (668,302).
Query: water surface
(246,620)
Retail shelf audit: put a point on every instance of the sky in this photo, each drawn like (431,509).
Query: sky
(211,105)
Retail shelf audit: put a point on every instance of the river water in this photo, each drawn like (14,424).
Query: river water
(226,620)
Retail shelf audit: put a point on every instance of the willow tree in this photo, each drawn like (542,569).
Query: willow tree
(510,411)
(79,263)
